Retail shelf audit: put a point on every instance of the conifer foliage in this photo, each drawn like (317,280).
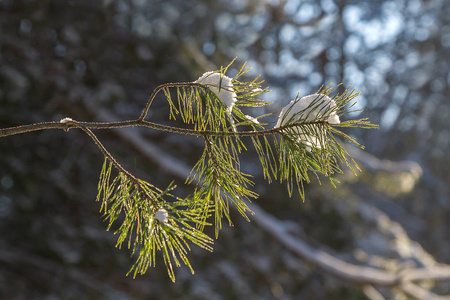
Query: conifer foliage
(305,141)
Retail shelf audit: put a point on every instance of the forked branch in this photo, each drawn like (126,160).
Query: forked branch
(303,142)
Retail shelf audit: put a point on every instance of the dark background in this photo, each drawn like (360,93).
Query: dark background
(79,58)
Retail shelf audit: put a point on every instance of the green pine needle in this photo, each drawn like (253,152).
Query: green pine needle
(301,148)
(138,201)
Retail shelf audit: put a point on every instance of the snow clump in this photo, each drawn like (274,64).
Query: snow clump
(161,215)
(221,86)
(315,107)
(65,120)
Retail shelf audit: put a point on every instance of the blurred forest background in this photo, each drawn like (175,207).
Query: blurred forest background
(100,61)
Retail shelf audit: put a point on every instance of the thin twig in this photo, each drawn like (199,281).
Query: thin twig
(114,161)
(161,87)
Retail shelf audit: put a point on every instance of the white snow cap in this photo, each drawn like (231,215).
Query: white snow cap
(65,120)
(220,85)
(321,104)
(161,215)
(299,109)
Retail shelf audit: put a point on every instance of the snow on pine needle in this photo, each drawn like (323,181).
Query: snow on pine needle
(221,85)
(311,108)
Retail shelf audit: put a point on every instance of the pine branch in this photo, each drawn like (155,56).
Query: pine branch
(151,222)
(303,142)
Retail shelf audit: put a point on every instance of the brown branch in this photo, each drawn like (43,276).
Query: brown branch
(32,127)
(143,123)
(64,126)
